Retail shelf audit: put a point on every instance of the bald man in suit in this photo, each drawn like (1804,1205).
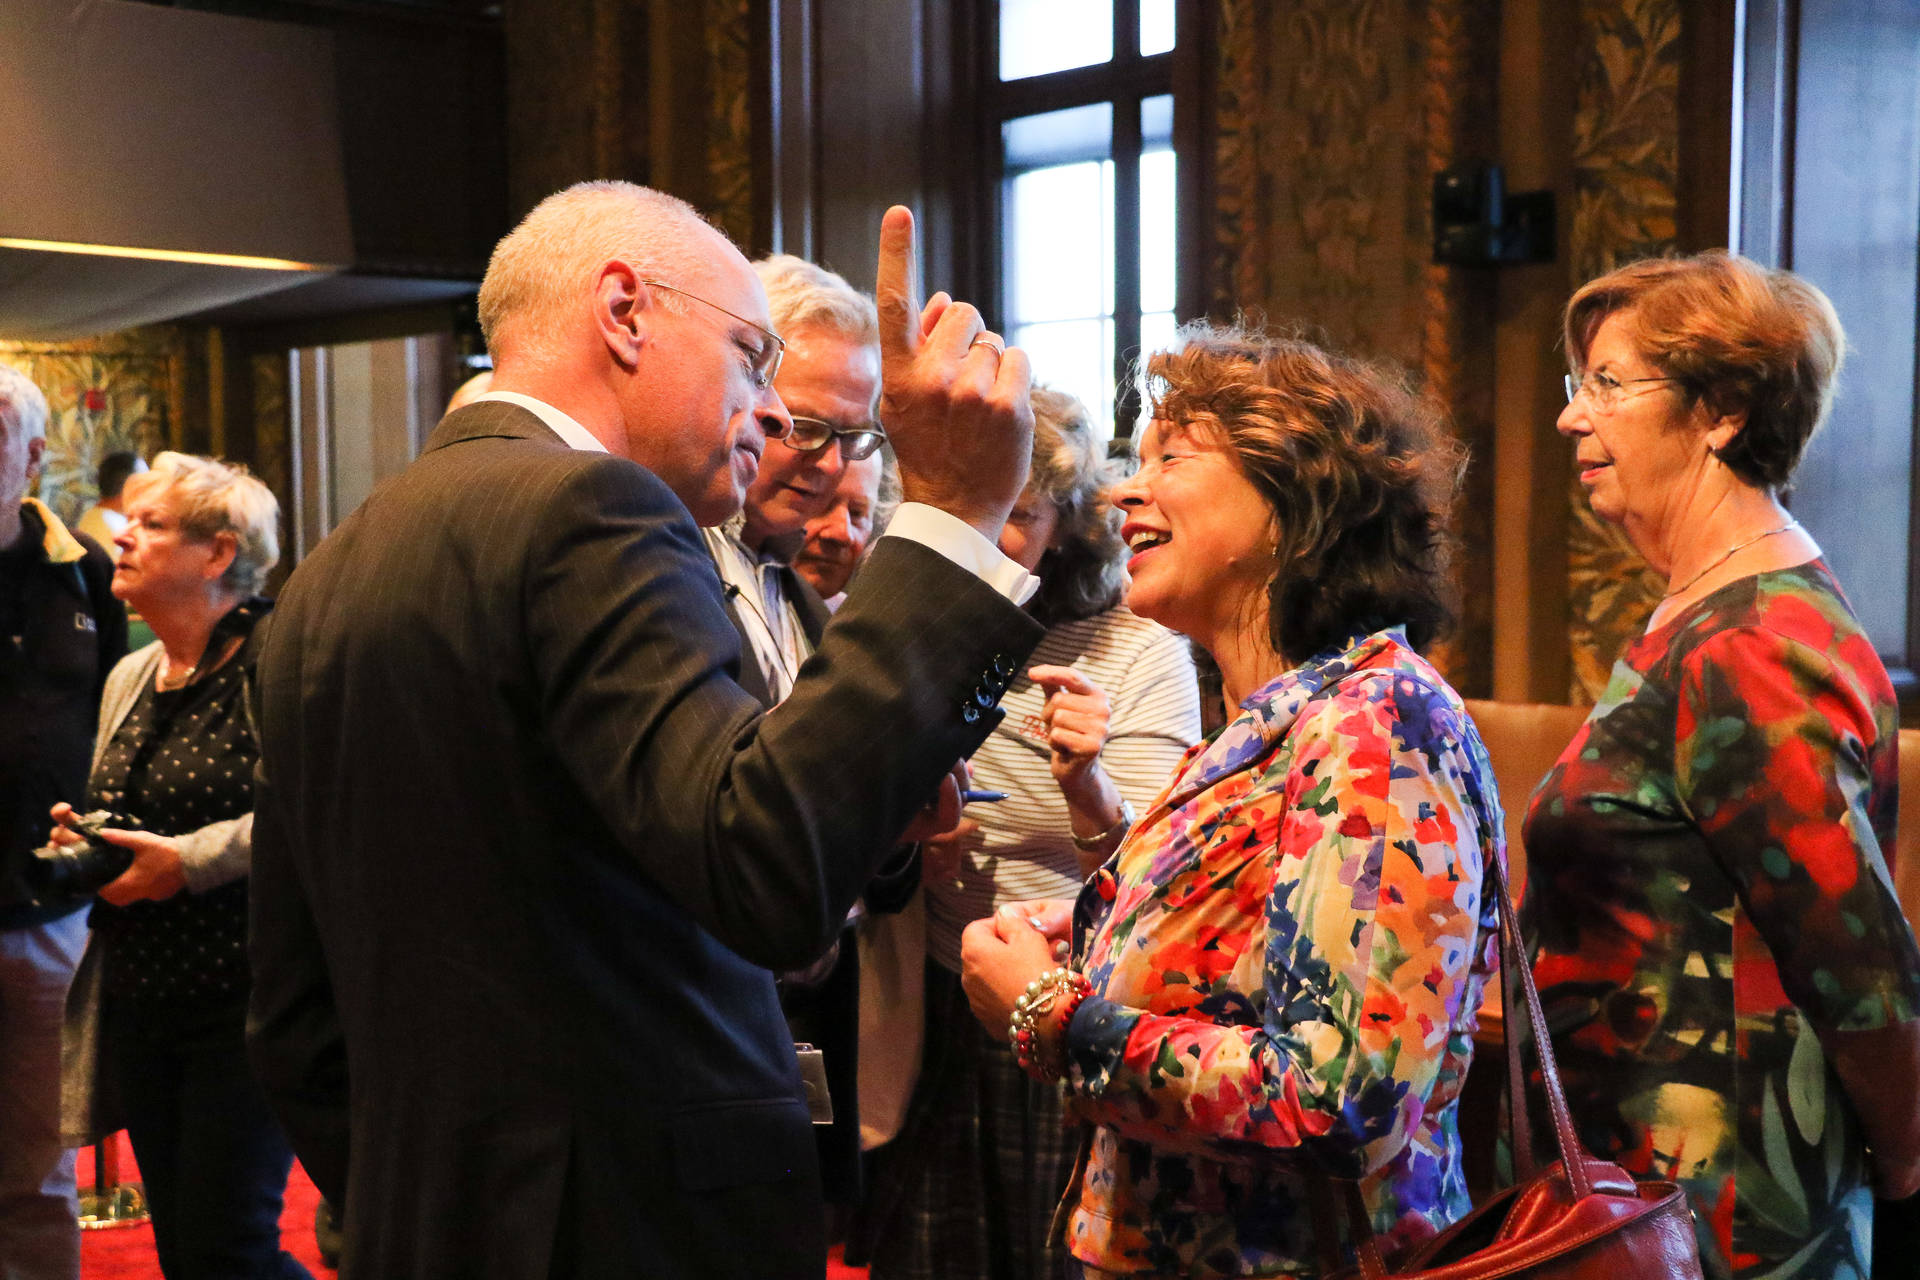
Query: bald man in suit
(524,849)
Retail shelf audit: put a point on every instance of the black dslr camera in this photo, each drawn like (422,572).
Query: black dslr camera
(78,871)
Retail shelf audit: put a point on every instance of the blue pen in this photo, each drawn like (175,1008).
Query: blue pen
(981,797)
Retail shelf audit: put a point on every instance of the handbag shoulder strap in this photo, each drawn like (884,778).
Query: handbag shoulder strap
(1519,1119)
(1513,959)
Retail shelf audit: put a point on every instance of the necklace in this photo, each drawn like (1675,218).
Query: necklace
(1727,555)
(170,682)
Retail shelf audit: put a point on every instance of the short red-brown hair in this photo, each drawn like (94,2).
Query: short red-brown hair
(1738,336)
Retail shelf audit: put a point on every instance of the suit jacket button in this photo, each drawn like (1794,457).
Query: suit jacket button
(985,697)
(969,712)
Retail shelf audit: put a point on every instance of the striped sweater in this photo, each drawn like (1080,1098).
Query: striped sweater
(1024,848)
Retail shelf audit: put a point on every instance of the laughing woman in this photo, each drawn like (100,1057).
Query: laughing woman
(1732,987)
(1275,978)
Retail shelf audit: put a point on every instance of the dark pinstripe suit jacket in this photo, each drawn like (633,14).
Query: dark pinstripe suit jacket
(524,853)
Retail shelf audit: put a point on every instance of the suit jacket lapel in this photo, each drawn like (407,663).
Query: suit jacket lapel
(807,603)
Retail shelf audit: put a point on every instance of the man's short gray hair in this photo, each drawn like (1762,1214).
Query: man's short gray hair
(211,497)
(549,262)
(801,295)
(23,404)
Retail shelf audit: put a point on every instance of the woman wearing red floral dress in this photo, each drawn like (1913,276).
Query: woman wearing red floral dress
(1731,985)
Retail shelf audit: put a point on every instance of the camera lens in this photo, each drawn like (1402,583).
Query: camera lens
(55,873)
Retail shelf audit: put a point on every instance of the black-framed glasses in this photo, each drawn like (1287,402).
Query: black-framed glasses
(1604,391)
(764,364)
(810,435)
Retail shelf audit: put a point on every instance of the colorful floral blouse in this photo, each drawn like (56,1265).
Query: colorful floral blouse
(1705,881)
(1287,956)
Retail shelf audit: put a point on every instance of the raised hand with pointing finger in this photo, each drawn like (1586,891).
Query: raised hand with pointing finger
(954,396)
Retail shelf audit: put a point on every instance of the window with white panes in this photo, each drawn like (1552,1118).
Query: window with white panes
(1084,106)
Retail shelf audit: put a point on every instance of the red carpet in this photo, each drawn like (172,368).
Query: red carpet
(126,1253)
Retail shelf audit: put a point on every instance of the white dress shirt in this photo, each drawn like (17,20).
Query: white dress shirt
(771,622)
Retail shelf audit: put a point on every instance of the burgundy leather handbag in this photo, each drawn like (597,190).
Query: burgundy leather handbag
(1582,1218)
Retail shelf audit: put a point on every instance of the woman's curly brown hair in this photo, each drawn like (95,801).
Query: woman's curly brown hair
(1354,463)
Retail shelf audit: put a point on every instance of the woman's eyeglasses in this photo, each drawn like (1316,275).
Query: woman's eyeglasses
(1604,391)
(810,435)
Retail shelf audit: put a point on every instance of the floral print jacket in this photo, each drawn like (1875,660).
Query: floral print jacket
(1287,957)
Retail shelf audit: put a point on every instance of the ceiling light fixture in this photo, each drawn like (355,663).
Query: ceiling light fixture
(164,255)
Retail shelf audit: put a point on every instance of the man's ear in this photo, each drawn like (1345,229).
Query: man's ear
(35,447)
(622,311)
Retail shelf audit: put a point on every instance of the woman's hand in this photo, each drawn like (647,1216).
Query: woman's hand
(63,835)
(995,969)
(156,872)
(940,855)
(1076,715)
(1078,718)
(1053,917)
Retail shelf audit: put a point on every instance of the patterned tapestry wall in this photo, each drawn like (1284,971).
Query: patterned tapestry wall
(271,454)
(1626,143)
(1333,117)
(731,200)
(652,91)
(123,391)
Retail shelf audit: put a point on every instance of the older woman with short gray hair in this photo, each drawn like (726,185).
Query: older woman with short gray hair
(160,1001)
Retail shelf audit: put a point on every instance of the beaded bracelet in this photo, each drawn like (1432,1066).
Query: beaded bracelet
(1061,987)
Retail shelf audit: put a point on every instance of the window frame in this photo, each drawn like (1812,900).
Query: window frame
(1774,63)
(1125,82)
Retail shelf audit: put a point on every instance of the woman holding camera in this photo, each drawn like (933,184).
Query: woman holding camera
(159,1007)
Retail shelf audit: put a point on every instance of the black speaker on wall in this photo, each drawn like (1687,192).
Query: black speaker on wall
(1476,223)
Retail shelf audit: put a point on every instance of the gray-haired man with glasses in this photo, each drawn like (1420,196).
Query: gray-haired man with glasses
(829,381)
(830,384)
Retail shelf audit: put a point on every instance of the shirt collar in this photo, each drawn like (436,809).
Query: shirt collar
(571,432)
(61,547)
(734,527)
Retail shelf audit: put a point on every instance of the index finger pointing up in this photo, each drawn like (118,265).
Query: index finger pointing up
(896,289)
